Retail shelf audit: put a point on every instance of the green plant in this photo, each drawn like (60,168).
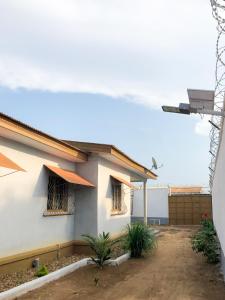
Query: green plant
(102,247)
(205,241)
(42,271)
(139,238)
(208,224)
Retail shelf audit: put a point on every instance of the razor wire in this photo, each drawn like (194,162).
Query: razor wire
(218,12)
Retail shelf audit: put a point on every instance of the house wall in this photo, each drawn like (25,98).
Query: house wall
(157,205)
(86,200)
(218,196)
(23,200)
(107,222)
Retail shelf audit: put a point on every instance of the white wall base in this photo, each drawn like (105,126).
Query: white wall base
(39,282)
(113,262)
(36,283)
(119,260)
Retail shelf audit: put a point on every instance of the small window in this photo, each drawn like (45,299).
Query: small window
(57,194)
(116,196)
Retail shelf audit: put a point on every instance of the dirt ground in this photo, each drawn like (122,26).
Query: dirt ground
(172,272)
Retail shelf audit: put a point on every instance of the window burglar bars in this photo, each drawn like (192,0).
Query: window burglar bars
(57,194)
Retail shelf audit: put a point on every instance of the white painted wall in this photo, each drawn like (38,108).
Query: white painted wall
(157,198)
(218,193)
(93,206)
(106,222)
(23,200)
(86,200)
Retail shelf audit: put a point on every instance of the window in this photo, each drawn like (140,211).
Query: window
(116,196)
(57,194)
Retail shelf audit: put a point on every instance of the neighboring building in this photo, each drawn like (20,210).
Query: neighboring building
(54,191)
(218,194)
(185,190)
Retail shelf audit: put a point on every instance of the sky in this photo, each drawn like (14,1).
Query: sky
(99,71)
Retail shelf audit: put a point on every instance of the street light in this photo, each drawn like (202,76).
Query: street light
(200,102)
(184,108)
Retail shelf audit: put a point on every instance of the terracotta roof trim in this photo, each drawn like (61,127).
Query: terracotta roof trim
(112,148)
(38,132)
(146,169)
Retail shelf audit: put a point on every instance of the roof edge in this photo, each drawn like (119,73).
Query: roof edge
(113,150)
(46,137)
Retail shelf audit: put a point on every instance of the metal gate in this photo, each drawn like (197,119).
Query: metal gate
(188,209)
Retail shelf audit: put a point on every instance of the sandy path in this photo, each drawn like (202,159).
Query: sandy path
(172,272)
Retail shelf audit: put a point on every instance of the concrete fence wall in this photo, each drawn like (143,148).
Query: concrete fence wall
(158,211)
(218,196)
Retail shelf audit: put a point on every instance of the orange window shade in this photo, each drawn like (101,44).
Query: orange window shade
(70,176)
(5,162)
(123,181)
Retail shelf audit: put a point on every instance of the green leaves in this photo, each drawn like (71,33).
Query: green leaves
(139,238)
(102,247)
(42,271)
(205,241)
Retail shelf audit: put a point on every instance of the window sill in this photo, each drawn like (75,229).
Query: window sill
(118,213)
(53,213)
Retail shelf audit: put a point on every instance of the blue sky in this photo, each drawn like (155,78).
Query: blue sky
(99,71)
(139,131)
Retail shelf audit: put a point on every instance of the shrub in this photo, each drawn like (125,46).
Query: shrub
(207,224)
(205,241)
(140,238)
(42,271)
(102,247)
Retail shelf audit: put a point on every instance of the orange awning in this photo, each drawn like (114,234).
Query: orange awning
(5,162)
(70,176)
(123,181)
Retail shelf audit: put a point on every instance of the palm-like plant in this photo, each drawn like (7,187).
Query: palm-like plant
(102,247)
(140,238)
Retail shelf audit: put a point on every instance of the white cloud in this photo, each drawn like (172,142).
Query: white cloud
(144,51)
(203,126)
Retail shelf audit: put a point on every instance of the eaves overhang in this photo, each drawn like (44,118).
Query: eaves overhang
(13,129)
(111,152)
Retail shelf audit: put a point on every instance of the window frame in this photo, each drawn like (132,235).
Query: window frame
(58,197)
(116,197)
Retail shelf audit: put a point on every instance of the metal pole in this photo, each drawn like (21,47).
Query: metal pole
(145,202)
(207,112)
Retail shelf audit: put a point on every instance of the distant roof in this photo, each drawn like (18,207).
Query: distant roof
(185,189)
(114,151)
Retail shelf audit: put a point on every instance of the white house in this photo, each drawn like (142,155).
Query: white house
(52,192)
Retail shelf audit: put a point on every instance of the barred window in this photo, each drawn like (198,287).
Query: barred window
(57,194)
(116,196)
